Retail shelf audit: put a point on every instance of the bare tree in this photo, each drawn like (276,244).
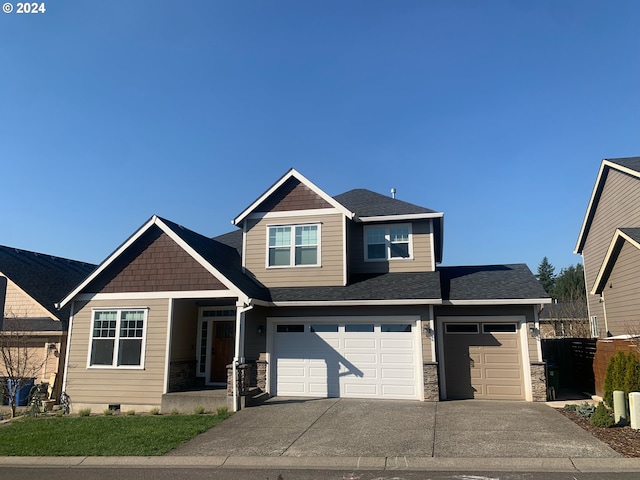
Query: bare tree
(22,357)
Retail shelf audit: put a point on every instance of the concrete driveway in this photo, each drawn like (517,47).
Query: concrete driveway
(284,427)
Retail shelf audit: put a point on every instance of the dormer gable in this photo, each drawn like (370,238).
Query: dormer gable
(292,192)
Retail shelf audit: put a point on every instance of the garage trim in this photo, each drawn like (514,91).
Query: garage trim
(520,320)
(272,322)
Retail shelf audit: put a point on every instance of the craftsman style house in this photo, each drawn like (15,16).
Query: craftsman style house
(609,243)
(310,296)
(30,285)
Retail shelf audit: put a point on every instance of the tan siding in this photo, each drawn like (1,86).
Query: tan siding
(116,385)
(20,305)
(621,294)
(422,238)
(619,206)
(329,273)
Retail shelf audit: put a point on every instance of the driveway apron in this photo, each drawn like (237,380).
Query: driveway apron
(386,428)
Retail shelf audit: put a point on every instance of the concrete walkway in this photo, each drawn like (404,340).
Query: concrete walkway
(347,434)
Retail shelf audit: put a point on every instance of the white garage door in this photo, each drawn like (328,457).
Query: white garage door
(346,359)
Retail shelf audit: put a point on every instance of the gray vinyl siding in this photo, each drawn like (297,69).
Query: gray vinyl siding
(329,273)
(422,244)
(619,206)
(622,295)
(87,385)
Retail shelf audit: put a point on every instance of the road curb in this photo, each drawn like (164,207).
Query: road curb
(584,465)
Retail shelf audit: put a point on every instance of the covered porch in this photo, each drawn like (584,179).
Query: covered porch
(206,355)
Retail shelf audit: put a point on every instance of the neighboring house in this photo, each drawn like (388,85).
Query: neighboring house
(568,319)
(310,296)
(609,243)
(33,283)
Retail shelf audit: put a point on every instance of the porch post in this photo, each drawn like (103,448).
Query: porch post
(241,308)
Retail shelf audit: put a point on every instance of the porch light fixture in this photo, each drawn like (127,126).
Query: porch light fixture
(260,330)
(533,331)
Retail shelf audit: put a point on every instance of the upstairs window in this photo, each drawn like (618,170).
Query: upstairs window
(117,338)
(293,245)
(387,242)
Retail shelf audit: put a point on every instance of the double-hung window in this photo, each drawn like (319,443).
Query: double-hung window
(293,245)
(387,242)
(118,337)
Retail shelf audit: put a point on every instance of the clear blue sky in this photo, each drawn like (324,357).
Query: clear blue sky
(496,113)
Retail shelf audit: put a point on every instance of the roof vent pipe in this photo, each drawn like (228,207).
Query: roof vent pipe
(393,192)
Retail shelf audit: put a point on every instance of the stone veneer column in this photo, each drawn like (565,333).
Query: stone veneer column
(538,381)
(431,385)
(261,372)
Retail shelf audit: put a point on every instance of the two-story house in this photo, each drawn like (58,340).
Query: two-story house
(609,243)
(310,296)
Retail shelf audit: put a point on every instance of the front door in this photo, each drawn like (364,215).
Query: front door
(216,343)
(222,345)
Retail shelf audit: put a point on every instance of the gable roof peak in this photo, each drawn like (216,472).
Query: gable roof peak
(291,173)
(628,165)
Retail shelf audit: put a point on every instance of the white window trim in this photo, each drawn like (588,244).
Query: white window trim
(116,340)
(209,339)
(292,246)
(387,242)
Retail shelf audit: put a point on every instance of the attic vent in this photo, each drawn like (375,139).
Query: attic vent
(393,192)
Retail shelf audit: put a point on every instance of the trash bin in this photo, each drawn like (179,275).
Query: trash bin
(22,395)
(553,381)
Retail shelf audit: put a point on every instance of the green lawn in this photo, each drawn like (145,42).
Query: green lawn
(101,436)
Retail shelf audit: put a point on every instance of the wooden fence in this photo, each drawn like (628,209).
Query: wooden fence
(605,349)
(574,359)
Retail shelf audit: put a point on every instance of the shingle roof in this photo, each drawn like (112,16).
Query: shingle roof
(366,203)
(32,325)
(43,277)
(490,282)
(388,286)
(224,257)
(632,163)
(634,233)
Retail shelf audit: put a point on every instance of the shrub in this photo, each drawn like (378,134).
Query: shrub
(84,412)
(199,410)
(175,411)
(623,373)
(130,413)
(571,407)
(222,410)
(154,411)
(601,417)
(585,410)
(108,412)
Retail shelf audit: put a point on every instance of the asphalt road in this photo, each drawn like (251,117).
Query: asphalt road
(83,473)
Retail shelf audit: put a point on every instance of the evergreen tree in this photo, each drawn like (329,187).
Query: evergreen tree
(546,275)
(569,284)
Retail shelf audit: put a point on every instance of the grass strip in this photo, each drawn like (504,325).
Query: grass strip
(101,436)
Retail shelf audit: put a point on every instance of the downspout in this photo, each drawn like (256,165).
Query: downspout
(239,344)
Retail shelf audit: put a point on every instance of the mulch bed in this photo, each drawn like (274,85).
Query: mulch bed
(623,440)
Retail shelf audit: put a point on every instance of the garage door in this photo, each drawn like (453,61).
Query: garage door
(346,359)
(483,360)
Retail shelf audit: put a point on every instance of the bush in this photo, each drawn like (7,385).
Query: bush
(130,413)
(222,410)
(84,412)
(585,410)
(601,417)
(199,410)
(154,411)
(570,407)
(108,412)
(623,373)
